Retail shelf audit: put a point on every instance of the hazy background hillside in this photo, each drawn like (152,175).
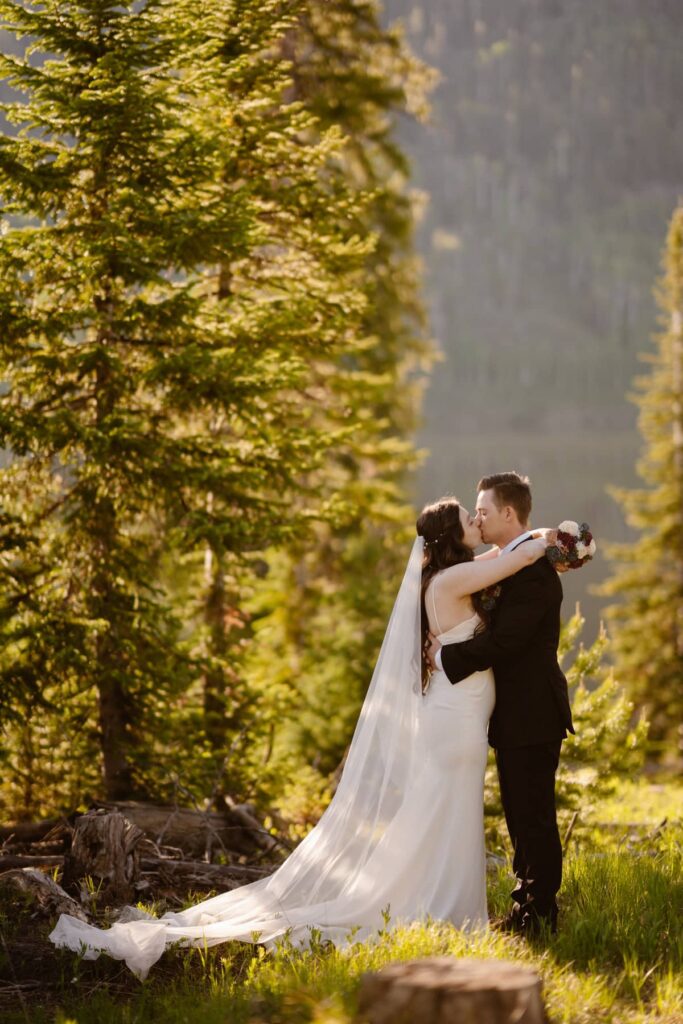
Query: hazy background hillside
(552,165)
(549,171)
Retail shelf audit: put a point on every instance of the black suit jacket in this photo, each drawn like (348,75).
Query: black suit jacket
(532,702)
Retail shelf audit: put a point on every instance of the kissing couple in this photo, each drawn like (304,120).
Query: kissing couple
(469,659)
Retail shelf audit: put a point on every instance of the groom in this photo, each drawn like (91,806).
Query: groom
(532,713)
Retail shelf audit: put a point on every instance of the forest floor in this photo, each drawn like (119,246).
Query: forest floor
(617,957)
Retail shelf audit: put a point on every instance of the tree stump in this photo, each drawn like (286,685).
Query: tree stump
(445,990)
(104,849)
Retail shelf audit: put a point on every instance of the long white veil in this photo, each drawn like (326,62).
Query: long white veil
(330,881)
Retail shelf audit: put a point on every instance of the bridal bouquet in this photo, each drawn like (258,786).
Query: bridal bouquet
(574,546)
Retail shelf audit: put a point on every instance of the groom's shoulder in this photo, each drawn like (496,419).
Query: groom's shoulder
(538,573)
(543,575)
(534,584)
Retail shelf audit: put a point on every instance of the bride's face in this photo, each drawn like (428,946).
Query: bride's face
(471,534)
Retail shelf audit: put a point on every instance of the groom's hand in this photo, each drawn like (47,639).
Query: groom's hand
(432,646)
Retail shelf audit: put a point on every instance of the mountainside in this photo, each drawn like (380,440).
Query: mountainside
(552,164)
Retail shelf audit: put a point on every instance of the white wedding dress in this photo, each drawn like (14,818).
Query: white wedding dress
(404,833)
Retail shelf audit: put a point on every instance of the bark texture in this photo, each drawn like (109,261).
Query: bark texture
(104,849)
(443,990)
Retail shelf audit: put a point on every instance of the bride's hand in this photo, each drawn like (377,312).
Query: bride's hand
(432,646)
(536,548)
(546,534)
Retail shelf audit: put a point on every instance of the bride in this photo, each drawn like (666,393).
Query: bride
(404,833)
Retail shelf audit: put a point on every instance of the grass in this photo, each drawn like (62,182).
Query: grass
(617,958)
(636,801)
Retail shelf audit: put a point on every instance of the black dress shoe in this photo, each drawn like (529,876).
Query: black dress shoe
(510,923)
(525,923)
(535,925)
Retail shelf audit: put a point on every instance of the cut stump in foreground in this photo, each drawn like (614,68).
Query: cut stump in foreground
(445,990)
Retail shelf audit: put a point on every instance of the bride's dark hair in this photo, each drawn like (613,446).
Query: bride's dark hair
(442,530)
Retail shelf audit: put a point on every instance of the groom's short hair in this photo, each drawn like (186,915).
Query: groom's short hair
(509,489)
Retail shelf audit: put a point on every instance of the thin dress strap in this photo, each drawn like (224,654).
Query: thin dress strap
(432,588)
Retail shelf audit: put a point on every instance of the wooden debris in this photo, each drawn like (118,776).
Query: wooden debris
(10,860)
(200,868)
(49,898)
(160,851)
(197,832)
(104,849)
(149,865)
(32,831)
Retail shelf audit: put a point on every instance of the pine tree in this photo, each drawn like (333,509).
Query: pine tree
(266,716)
(309,228)
(147,408)
(326,606)
(648,622)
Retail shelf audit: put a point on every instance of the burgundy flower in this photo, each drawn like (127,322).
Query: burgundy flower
(564,551)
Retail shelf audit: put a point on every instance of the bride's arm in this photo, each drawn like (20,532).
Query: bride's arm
(491,553)
(468,577)
(546,533)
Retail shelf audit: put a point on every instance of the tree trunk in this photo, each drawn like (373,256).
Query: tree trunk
(110,667)
(118,775)
(444,990)
(215,683)
(226,627)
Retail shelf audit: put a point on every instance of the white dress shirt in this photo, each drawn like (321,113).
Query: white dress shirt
(515,542)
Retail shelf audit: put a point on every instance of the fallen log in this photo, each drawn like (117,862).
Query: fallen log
(237,870)
(50,899)
(197,832)
(17,860)
(198,867)
(147,865)
(444,990)
(31,831)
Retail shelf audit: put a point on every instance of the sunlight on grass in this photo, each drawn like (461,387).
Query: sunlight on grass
(636,802)
(617,958)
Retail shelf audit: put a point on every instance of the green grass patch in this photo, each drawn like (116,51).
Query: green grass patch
(617,957)
(646,803)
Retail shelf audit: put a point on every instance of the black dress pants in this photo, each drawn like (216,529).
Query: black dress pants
(527,788)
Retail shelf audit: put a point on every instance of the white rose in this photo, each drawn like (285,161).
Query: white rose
(568,526)
(592,548)
(581,549)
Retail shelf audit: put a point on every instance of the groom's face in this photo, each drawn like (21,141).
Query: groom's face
(491,519)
